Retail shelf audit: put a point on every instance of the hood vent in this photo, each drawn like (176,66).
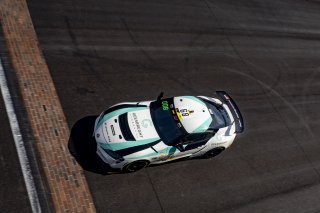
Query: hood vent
(125,129)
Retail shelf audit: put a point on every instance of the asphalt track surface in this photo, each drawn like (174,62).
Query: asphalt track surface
(266,54)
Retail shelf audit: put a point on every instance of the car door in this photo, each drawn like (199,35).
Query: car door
(190,144)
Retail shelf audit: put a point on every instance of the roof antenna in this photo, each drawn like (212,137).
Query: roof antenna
(160,96)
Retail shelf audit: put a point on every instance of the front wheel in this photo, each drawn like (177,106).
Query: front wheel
(213,152)
(135,166)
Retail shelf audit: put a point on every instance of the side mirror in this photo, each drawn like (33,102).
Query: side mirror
(160,96)
(180,147)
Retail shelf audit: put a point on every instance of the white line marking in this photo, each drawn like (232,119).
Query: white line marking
(15,129)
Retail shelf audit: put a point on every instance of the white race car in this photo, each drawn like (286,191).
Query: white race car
(132,135)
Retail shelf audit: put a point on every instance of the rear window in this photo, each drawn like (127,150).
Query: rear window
(220,117)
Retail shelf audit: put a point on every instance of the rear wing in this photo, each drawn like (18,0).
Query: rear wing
(234,110)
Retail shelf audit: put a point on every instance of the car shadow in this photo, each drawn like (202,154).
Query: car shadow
(82,147)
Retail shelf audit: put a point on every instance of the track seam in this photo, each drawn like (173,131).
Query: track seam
(155,191)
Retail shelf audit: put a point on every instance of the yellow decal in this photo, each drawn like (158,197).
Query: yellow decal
(171,158)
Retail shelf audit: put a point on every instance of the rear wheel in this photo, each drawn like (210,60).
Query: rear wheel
(213,152)
(136,165)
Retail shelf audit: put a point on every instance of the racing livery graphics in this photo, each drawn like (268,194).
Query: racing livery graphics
(132,135)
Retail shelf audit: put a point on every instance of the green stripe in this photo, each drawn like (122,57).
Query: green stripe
(118,112)
(127,144)
(151,154)
(147,155)
(204,126)
(167,151)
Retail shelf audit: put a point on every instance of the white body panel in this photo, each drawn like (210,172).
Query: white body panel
(142,128)
(141,125)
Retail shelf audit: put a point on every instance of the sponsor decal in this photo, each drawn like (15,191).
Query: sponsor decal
(112,130)
(236,114)
(145,123)
(106,131)
(178,114)
(218,144)
(136,121)
(184,112)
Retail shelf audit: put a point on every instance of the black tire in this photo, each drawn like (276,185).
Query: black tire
(135,166)
(213,152)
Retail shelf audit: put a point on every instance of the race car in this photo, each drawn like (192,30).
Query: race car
(133,135)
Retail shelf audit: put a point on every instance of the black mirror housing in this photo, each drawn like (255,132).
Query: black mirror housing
(160,96)
(180,147)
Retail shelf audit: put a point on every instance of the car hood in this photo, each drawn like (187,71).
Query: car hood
(125,128)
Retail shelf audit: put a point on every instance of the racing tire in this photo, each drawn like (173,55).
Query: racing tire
(213,152)
(135,166)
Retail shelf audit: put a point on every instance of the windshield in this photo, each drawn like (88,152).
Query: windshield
(166,121)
